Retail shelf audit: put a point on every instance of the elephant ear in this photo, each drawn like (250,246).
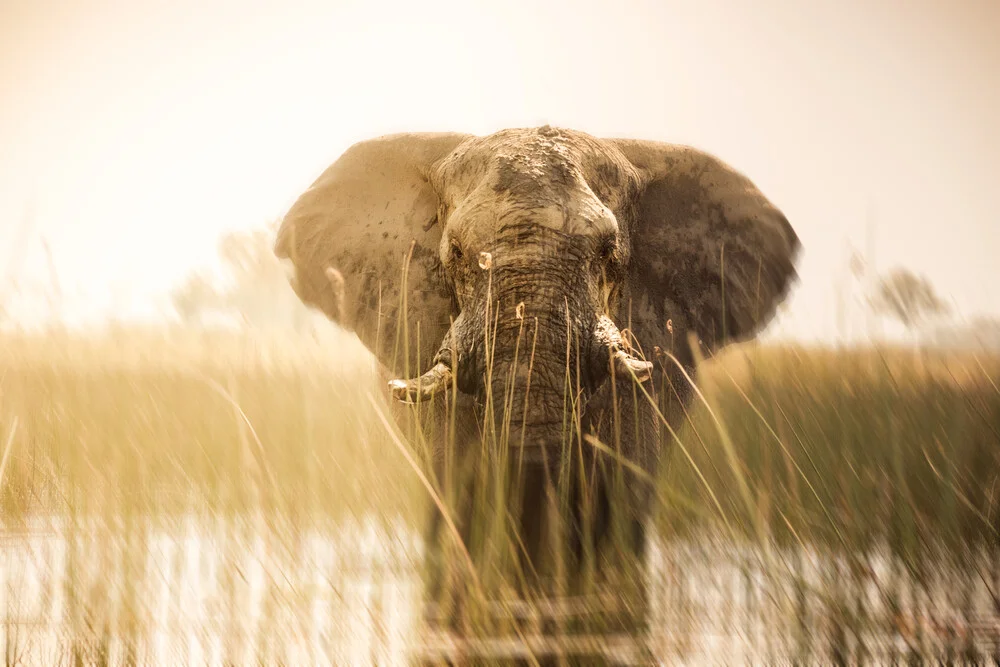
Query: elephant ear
(364,244)
(710,252)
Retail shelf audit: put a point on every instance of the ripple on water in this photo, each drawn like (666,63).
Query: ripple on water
(199,590)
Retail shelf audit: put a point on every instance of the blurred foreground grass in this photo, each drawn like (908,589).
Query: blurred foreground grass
(847,450)
(839,448)
(154,422)
(842,452)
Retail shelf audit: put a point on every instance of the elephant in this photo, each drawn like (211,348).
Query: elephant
(572,279)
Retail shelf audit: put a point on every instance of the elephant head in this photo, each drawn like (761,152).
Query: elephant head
(510,264)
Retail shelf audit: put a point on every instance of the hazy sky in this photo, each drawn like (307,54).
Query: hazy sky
(133,133)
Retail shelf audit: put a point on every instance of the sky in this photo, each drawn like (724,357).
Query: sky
(134,134)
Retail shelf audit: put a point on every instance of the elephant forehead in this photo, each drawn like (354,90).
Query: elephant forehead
(486,215)
(580,213)
(538,167)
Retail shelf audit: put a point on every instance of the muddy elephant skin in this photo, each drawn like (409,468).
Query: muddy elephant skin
(547,281)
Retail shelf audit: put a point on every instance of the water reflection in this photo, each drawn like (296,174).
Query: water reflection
(196,590)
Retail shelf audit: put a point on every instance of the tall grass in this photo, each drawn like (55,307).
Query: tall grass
(845,452)
(846,449)
(188,422)
(869,459)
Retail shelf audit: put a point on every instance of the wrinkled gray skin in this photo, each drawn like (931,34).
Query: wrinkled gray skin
(585,237)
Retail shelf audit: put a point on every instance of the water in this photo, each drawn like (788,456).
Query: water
(196,590)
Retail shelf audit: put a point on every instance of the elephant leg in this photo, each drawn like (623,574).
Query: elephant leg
(551,549)
(626,479)
(563,545)
(546,549)
(447,541)
(528,572)
(591,519)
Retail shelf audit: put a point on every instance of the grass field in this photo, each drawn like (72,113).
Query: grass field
(861,455)
(848,448)
(215,422)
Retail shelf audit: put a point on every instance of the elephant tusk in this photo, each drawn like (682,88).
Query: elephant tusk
(626,366)
(623,363)
(434,381)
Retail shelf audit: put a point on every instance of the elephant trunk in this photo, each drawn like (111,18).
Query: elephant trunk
(607,350)
(545,386)
(532,388)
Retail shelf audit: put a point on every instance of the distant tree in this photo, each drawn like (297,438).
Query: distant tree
(846,287)
(253,289)
(985,331)
(908,298)
(982,332)
(857,264)
(195,298)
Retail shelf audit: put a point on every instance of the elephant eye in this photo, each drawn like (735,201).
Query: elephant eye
(606,249)
(456,250)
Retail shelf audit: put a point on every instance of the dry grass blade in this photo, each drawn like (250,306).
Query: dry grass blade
(885,501)
(8,446)
(618,457)
(435,496)
(727,443)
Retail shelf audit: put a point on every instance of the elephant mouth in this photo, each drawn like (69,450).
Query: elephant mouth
(610,354)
